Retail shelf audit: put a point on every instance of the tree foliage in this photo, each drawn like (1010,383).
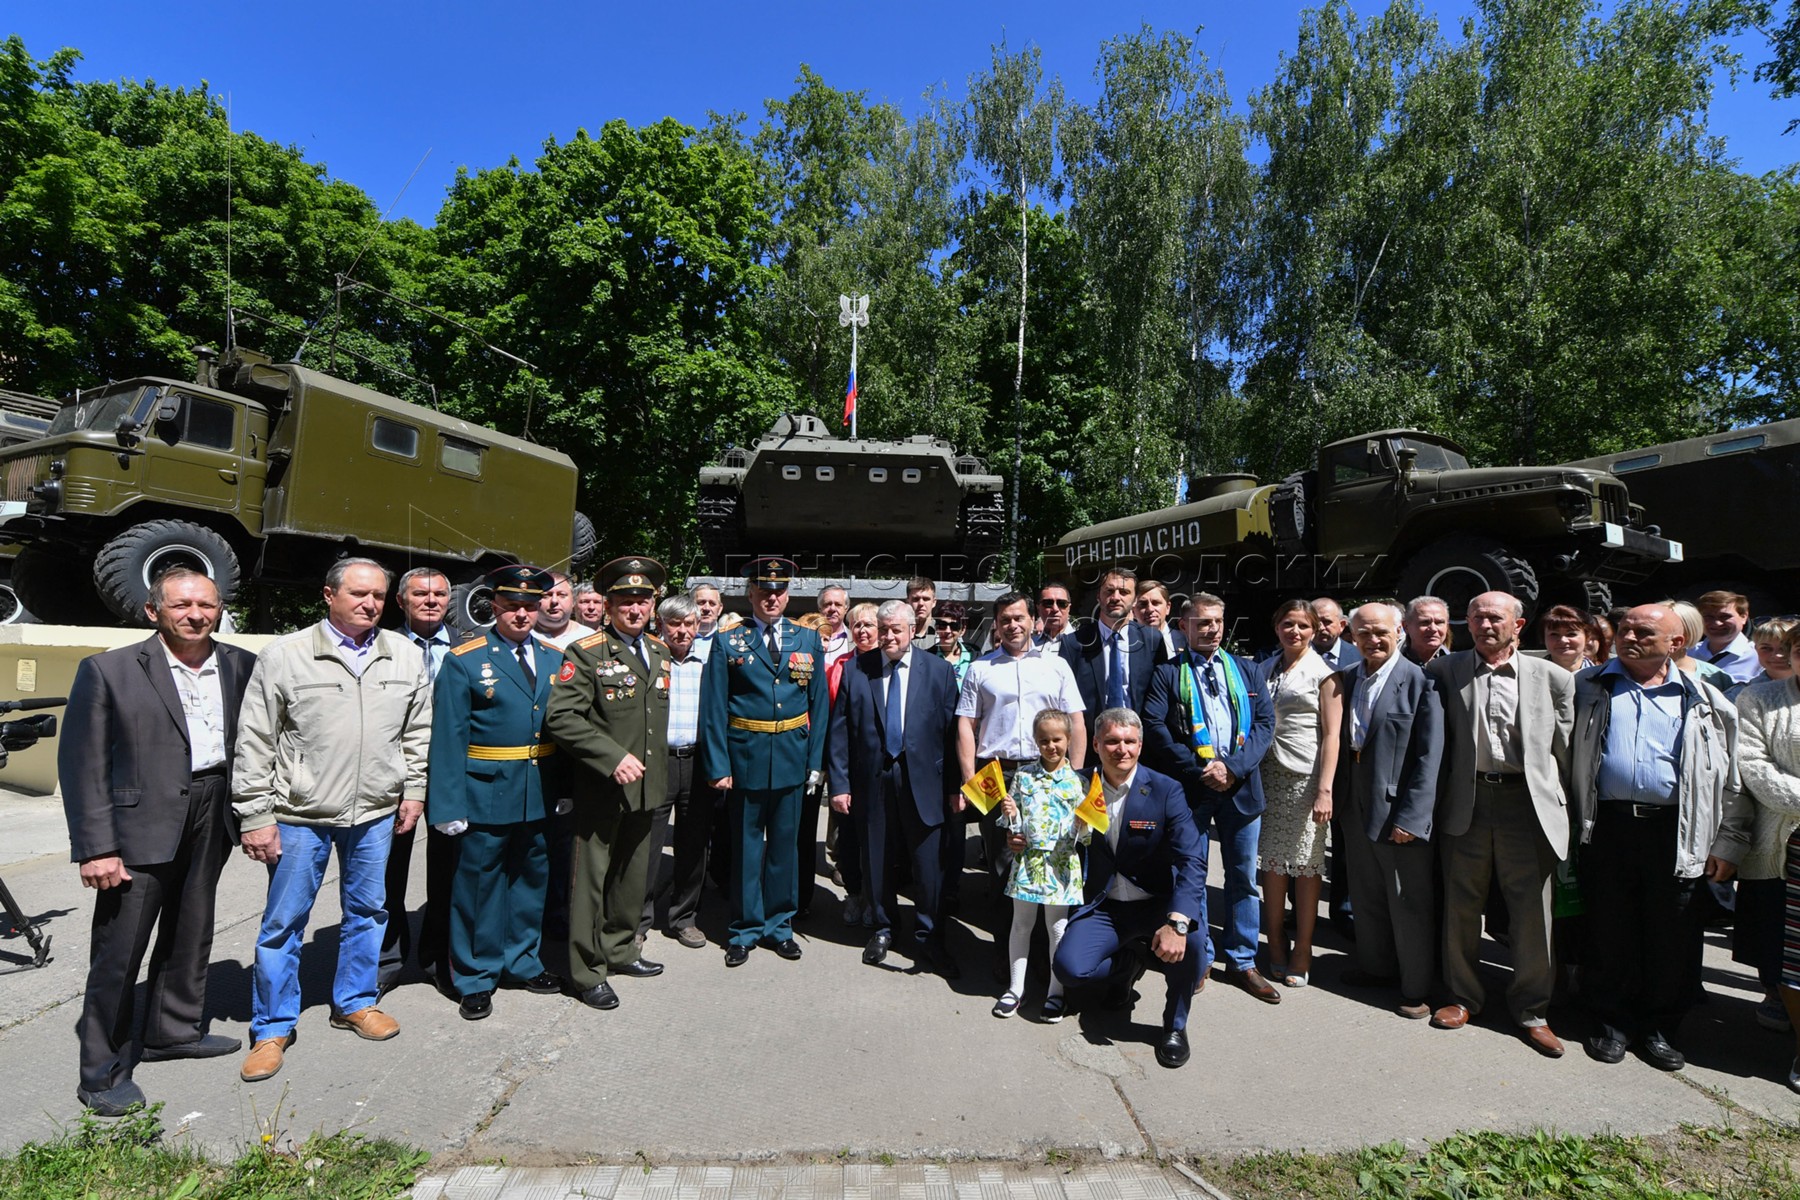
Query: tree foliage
(1519,232)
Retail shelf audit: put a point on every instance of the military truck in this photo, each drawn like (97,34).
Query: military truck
(1395,513)
(269,471)
(852,506)
(1730,499)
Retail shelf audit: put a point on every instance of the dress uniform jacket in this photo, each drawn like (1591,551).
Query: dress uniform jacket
(493,766)
(743,684)
(482,700)
(608,703)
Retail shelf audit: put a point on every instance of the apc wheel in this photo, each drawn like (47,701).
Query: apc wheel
(128,564)
(585,545)
(471,606)
(60,584)
(1456,570)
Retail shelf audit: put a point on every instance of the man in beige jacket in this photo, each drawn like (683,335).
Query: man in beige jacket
(331,753)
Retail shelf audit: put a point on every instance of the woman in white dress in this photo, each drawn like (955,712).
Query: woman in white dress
(1294,824)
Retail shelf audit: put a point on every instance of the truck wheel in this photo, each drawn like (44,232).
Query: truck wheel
(1596,597)
(1456,570)
(47,582)
(126,565)
(1290,514)
(471,605)
(584,546)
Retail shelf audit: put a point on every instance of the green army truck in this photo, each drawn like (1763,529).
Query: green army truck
(1397,513)
(1730,499)
(269,471)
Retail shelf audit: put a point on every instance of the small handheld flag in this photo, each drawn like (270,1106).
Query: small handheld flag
(1093,808)
(986,789)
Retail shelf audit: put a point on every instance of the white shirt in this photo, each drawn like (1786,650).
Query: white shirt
(1120,888)
(1362,703)
(1003,695)
(574,631)
(1115,645)
(203,706)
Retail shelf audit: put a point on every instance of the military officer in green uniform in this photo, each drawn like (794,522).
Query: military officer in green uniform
(609,711)
(763,709)
(494,775)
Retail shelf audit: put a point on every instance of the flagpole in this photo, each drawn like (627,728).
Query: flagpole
(854,312)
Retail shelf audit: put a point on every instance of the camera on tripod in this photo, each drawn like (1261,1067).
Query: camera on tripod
(24,734)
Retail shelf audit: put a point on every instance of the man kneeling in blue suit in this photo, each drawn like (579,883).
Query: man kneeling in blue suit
(1144,878)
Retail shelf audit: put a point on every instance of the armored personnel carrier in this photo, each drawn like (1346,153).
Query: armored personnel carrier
(1397,513)
(846,505)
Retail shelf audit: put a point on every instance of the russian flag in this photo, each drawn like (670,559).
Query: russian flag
(850,396)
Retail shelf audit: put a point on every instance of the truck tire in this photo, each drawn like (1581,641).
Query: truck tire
(585,545)
(47,582)
(126,565)
(1290,514)
(1458,569)
(471,605)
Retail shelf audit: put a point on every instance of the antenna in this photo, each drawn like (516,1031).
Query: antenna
(230,319)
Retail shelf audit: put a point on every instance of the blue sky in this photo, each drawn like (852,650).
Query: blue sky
(368,88)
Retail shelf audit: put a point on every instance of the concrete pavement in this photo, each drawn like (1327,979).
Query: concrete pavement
(777,1061)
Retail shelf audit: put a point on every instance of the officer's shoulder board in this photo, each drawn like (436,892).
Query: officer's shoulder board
(471,645)
(652,637)
(593,640)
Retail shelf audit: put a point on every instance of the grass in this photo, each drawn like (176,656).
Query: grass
(1757,1162)
(114,1160)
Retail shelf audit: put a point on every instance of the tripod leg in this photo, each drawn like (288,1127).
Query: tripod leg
(40,942)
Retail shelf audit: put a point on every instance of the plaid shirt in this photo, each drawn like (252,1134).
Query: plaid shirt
(684,697)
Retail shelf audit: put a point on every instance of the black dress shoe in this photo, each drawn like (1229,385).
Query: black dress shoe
(736,955)
(544,985)
(1656,1051)
(600,996)
(1606,1049)
(641,968)
(877,949)
(787,948)
(475,1005)
(114,1100)
(213,1045)
(1172,1050)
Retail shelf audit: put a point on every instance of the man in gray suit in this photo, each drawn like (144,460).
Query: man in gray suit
(1502,814)
(144,763)
(1390,736)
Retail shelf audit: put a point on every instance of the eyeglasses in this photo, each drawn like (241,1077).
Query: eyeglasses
(945,624)
(1047,602)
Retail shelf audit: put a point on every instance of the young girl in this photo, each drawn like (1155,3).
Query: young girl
(1046,874)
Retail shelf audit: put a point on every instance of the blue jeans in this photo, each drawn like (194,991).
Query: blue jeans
(294,880)
(1241,922)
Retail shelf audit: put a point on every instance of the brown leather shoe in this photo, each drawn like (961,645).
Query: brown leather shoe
(369,1023)
(1546,1043)
(1414,1012)
(264,1058)
(1251,980)
(1451,1016)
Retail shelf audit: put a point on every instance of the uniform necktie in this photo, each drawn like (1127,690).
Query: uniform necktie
(773,644)
(1115,674)
(525,665)
(892,735)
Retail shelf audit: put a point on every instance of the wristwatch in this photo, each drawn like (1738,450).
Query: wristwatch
(1181,925)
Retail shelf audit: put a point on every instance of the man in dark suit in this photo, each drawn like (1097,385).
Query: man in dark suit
(763,713)
(610,712)
(892,761)
(1390,740)
(144,764)
(493,781)
(1111,658)
(1502,814)
(1145,878)
(1208,721)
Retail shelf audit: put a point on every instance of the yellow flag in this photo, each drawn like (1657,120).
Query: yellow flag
(1093,809)
(986,789)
